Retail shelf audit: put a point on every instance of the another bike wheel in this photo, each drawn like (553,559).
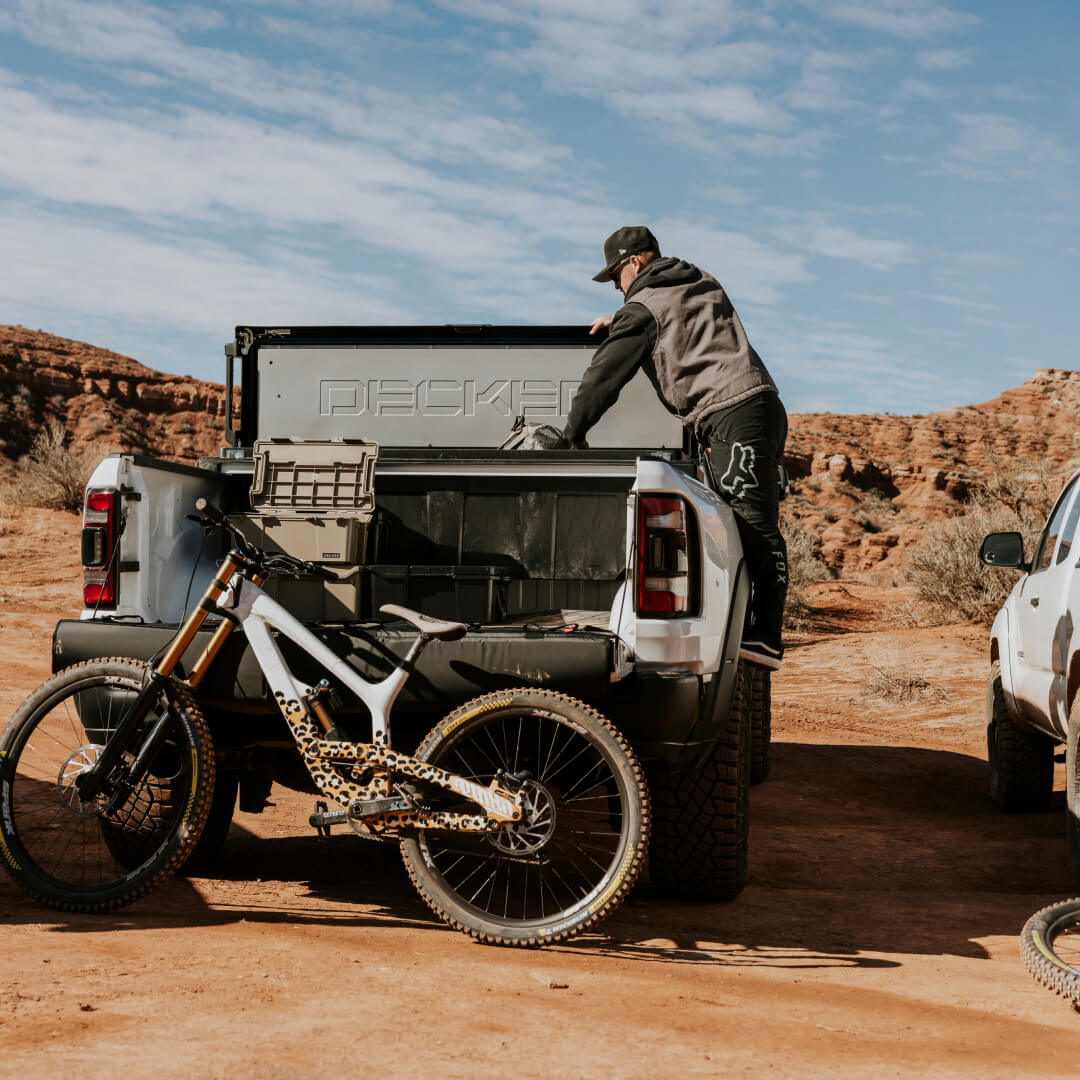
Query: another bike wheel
(78,856)
(572,859)
(1050,946)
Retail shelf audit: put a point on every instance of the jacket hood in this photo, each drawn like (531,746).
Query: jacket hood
(663,272)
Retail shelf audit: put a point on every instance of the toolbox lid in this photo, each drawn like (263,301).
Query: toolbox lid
(299,477)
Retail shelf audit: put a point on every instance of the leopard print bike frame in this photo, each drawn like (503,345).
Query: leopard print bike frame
(348,772)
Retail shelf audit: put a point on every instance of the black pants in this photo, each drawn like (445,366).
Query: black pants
(746,442)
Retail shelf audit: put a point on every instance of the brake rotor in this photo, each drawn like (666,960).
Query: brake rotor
(536,827)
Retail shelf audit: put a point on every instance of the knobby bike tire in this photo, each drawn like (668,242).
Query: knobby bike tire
(77,857)
(1050,946)
(757,700)
(584,841)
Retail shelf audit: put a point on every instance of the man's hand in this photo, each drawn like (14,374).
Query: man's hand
(601,323)
(580,444)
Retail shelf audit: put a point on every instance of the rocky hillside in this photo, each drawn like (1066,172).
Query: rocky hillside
(866,485)
(105,401)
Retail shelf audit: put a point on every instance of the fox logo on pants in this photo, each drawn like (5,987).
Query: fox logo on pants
(740,477)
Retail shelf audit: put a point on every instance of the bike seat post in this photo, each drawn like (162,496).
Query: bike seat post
(417,647)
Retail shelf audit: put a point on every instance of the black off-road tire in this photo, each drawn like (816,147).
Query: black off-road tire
(701,817)
(130,847)
(1021,760)
(204,856)
(1041,946)
(68,860)
(757,700)
(579,758)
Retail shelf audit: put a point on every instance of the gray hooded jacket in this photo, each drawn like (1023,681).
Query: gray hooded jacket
(679,326)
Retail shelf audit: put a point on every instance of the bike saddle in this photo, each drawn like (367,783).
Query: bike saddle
(436,628)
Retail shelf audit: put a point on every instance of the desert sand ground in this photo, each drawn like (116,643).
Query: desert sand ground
(877,936)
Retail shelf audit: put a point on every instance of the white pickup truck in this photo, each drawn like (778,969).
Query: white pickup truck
(1032,701)
(614,574)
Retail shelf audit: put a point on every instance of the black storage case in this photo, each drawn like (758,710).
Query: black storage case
(471,594)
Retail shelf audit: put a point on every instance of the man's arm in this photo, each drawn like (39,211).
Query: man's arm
(631,339)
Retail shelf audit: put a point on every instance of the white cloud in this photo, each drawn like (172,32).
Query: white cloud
(212,167)
(945,59)
(436,129)
(750,270)
(816,234)
(726,193)
(995,148)
(898,18)
(956,301)
(173,282)
(917,89)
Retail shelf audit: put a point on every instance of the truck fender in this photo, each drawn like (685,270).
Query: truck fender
(714,712)
(1001,651)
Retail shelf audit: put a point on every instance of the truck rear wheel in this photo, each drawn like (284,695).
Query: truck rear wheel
(701,817)
(1021,761)
(757,700)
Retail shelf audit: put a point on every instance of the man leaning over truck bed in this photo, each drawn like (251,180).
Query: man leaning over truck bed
(679,326)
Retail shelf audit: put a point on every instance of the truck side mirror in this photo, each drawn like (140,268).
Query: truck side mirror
(1005,549)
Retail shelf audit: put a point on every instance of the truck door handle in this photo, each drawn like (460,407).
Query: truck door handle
(1034,601)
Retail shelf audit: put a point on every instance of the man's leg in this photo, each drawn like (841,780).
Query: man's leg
(746,443)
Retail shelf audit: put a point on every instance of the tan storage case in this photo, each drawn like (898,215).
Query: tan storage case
(313,499)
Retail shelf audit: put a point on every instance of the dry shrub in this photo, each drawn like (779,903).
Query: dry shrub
(51,475)
(804,568)
(950,582)
(887,683)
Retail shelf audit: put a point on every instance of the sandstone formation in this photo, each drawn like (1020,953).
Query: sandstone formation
(104,400)
(867,485)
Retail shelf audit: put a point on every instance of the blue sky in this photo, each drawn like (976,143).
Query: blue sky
(886,188)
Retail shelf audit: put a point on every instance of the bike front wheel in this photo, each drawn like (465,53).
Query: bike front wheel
(574,856)
(104,853)
(1050,946)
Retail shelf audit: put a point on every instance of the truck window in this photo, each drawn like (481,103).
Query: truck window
(1068,532)
(1044,555)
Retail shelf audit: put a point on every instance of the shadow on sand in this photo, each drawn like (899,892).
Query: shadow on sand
(860,856)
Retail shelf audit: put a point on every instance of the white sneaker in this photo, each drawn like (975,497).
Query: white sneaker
(757,652)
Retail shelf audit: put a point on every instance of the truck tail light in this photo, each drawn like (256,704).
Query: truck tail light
(667,571)
(100,518)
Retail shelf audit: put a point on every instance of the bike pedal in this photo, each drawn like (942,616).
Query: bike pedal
(324,817)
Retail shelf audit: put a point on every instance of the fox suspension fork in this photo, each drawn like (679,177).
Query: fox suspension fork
(99,776)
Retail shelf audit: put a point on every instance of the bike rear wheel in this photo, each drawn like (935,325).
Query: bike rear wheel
(78,856)
(573,858)
(1050,946)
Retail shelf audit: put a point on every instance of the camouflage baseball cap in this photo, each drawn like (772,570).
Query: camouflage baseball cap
(629,240)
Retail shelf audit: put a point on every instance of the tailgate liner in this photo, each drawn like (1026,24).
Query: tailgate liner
(490,658)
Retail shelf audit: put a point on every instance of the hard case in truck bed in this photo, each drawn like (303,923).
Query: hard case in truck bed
(312,498)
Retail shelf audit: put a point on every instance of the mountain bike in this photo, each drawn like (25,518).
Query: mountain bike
(523,816)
